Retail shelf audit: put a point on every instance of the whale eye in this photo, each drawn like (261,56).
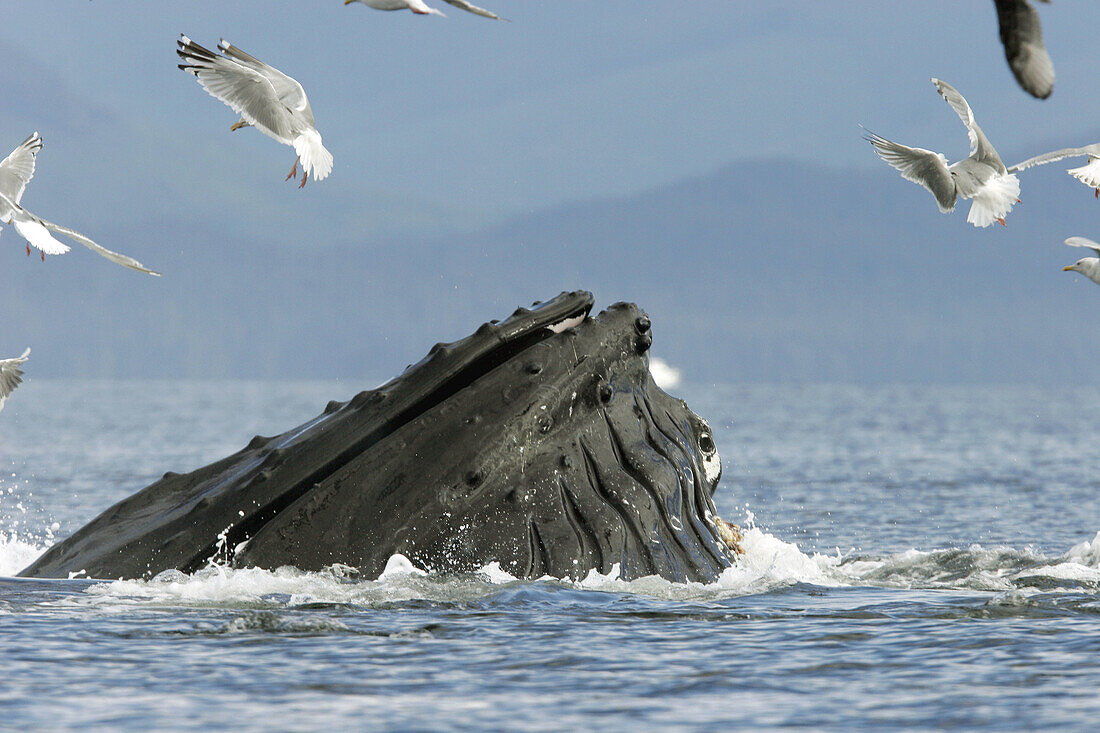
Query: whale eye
(706,443)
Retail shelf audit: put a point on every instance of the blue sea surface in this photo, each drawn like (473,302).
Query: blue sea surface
(917,557)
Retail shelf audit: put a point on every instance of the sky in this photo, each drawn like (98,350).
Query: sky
(445,127)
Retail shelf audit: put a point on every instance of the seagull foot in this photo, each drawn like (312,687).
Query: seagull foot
(1096,193)
(28,250)
(43,254)
(1001,221)
(305,175)
(293,171)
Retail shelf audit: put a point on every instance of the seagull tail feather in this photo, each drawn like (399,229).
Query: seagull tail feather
(313,154)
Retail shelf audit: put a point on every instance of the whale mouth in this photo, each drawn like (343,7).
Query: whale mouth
(567,323)
(447,369)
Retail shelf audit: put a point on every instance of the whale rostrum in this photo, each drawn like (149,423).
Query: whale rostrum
(539,442)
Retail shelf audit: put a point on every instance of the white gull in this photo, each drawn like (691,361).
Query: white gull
(981,177)
(264,97)
(16,171)
(1087,266)
(421,8)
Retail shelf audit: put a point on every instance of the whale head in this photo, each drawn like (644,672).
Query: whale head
(539,442)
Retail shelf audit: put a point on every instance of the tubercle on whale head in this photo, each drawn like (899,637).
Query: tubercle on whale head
(446,360)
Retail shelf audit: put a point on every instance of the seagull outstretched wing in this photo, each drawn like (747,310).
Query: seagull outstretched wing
(36,230)
(1084,242)
(11,375)
(462,4)
(1055,155)
(925,167)
(980,147)
(17,169)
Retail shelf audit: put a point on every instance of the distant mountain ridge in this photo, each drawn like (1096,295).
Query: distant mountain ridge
(769,271)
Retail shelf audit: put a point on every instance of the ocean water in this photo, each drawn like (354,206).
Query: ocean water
(918,557)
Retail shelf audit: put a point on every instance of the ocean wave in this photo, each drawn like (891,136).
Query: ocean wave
(999,569)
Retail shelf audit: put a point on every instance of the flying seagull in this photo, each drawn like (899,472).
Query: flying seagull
(1087,266)
(16,171)
(1088,174)
(981,177)
(1022,37)
(420,8)
(264,97)
(11,375)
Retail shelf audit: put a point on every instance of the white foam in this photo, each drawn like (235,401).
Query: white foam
(770,562)
(1062,571)
(496,575)
(972,568)
(1081,564)
(1086,553)
(253,587)
(767,564)
(16,553)
(288,587)
(397,566)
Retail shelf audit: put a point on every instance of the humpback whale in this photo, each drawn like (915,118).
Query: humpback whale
(539,442)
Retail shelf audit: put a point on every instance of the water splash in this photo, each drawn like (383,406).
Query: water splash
(17,553)
(769,563)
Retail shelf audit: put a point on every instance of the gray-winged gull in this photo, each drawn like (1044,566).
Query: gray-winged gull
(421,8)
(264,97)
(1022,37)
(11,375)
(16,171)
(981,177)
(1087,266)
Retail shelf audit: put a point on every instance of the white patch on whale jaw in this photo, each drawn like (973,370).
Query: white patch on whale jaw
(712,461)
(712,468)
(568,323)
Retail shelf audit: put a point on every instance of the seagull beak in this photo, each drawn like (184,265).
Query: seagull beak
(1067,268)
(348,2)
